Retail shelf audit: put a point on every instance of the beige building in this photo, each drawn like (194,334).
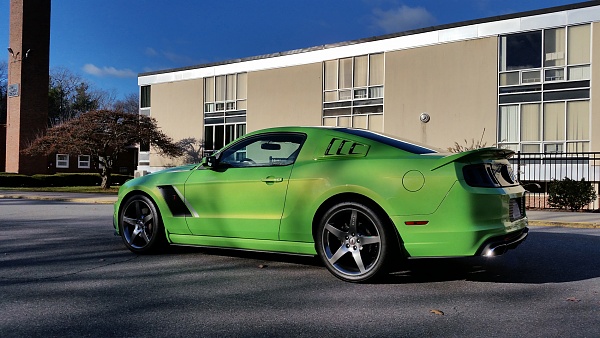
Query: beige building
(519,81)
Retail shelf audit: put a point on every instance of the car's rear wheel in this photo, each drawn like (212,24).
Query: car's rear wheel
(140,225)
(354,242)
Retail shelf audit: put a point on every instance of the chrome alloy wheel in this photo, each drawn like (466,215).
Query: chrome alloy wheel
(352,242)
(140,224)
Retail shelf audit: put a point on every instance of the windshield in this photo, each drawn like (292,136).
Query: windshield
(390,141)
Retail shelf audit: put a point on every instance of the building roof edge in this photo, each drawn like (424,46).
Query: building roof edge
(384,37)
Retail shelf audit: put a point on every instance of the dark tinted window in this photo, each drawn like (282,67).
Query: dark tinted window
(145,97)
(567,95)
(406,146)
(520,98)
(523,50)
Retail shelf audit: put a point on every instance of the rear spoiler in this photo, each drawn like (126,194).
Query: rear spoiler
(467,156)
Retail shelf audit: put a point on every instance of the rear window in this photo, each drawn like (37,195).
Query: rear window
(390,141)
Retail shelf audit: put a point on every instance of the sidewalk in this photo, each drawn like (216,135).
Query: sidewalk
(536,217)
(564,218)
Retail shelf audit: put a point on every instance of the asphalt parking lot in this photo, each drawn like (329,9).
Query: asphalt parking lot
(63,273)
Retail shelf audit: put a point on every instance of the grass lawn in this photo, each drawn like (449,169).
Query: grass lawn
(94,189)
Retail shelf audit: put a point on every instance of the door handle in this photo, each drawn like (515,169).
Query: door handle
(272,179)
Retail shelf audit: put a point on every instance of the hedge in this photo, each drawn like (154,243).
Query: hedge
(58,180)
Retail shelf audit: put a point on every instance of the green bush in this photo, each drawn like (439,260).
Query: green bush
(570,194)
(17,180)
(58,180)
(69,180)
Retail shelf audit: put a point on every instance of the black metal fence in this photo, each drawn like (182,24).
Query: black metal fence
(536,171)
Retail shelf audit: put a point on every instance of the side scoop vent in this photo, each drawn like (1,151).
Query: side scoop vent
(341,147)
(174,201)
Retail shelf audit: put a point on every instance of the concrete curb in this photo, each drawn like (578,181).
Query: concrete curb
(580,225)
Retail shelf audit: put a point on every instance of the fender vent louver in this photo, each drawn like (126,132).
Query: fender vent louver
(174,201)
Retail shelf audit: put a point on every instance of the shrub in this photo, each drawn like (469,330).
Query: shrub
(570,194)
(57,180)
(69,179)
(17,180)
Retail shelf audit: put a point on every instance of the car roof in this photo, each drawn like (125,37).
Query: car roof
(390,140)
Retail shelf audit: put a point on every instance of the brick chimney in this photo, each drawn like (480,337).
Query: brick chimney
(28,69)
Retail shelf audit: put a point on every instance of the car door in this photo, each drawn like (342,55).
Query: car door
(243,195)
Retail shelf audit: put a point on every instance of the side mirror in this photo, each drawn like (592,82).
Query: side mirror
(209,162)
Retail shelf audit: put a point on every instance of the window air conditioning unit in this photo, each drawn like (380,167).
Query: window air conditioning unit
(140,173)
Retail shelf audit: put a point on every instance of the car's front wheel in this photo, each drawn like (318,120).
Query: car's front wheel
(140,225)
(354,242)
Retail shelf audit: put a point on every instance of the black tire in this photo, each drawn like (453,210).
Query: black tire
(354,243)
(141,226)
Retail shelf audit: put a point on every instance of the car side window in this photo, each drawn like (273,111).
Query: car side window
(264,151)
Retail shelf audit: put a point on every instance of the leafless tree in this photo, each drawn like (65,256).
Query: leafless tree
(130,104)
(192,149)
(71,95)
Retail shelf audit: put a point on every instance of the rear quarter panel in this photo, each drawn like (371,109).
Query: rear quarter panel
(383,175)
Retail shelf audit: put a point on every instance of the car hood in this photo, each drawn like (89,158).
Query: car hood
(186,167)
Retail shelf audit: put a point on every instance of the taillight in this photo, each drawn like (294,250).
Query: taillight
(478,175)
(507,174)
(489,175)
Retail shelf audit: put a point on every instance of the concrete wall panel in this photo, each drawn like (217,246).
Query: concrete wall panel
(178,108)
(285,97)
(455,83)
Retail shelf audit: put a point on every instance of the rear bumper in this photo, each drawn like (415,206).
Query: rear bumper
(466,222)
(498,245)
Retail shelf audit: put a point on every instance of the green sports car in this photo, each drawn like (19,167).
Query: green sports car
(360,200)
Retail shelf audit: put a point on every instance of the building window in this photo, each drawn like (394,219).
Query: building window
(83,161)
(521,51)
(145,97)
(544,90)
(218,135)
(225,93)
(144,147)
(353,92)
(559,126)
(224,109)
(62,161)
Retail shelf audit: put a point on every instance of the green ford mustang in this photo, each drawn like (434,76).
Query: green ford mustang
(360,200)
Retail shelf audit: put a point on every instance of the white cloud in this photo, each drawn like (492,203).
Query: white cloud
(150,51)
(108,71)
(177,58)
(402,19)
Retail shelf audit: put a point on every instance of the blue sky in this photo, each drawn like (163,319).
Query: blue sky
(109,42)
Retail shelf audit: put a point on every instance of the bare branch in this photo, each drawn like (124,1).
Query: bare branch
(458,148)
